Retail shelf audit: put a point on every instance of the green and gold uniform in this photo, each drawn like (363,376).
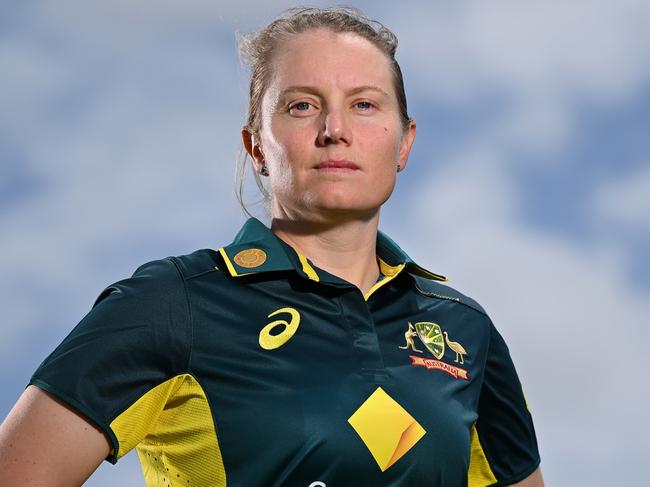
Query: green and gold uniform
(248,366)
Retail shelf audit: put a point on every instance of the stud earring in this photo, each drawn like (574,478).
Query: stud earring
(264,171)
(399,168)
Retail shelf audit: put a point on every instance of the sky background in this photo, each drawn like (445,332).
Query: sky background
(528,184)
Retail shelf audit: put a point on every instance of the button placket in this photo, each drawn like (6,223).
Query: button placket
(365,343)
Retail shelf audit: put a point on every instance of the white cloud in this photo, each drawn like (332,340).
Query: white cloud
(584,48)
(543,59)
(154,23)
(144,156)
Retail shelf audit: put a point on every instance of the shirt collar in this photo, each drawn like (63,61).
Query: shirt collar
(256,249)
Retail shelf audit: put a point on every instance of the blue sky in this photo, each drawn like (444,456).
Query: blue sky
(528,185)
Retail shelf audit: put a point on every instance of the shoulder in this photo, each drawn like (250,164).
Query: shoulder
(437,290)
(185,266)
(197,263)
(162,278)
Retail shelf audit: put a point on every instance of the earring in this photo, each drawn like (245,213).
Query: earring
(264,171)
(399,168)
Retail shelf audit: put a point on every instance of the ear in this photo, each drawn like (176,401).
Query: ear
(252,145)
(408,136)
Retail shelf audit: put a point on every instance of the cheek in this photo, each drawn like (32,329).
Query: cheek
(288,147)
(284,155)
(384,141)
(273,149)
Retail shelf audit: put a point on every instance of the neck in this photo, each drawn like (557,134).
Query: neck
(345,249)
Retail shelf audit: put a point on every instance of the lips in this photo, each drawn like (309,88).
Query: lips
(337,165)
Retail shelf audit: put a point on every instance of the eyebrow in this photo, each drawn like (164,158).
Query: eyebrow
(312,89)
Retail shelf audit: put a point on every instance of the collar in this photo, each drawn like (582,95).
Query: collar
(256,249)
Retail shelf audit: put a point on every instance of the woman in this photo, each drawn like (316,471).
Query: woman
(313,353)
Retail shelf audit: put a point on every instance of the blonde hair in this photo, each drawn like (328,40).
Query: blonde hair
(258,49)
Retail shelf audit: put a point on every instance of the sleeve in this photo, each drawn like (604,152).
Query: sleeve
(503,443)
(122,358)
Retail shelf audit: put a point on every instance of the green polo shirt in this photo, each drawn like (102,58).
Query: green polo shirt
(249,366)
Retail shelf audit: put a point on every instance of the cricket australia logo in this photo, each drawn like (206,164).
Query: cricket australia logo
(434,339)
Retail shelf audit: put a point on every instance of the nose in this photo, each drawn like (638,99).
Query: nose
(334,128)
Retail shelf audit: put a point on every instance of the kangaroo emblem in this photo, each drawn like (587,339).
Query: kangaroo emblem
(408,336)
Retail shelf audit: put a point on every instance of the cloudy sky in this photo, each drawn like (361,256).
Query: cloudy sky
(529,183)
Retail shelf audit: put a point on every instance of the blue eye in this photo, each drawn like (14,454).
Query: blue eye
(364,105)
(301,106)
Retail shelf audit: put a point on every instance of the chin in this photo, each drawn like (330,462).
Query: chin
(348,205)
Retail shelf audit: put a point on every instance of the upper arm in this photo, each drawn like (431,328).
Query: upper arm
(135,338)
(503,442)
(45,442)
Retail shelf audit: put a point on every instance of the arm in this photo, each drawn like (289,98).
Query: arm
(504,448)
(44,442)
(135,337)
(533,480)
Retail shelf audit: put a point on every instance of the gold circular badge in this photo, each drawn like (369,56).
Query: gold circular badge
(250,258)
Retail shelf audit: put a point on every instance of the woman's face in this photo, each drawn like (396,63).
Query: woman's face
(331,133)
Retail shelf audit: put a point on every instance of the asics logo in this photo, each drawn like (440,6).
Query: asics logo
(279,332)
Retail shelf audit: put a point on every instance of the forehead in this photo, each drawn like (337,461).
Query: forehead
(324,58)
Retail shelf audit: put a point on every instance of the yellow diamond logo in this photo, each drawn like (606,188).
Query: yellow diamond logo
(386,428)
